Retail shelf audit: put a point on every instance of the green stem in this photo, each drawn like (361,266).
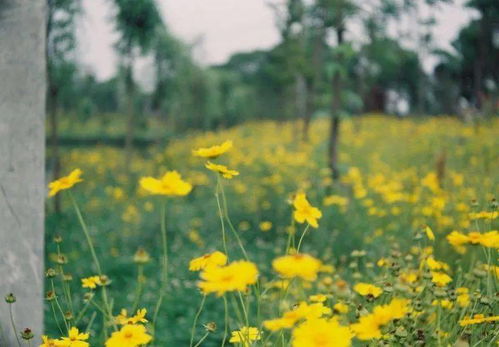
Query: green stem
(58,305)
(198,313)
(220,214)
(94,256)
(13,324)
(231,226)
(202,339)
(164,273)
(226,320)
(55,317)
(301,238)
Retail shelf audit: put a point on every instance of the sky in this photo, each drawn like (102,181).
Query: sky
(218,27)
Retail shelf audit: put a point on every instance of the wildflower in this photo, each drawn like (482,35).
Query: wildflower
(140,317)
(429,233)
(317,298)
(340,307)
(477,319)
(457,239)
(321,333)
(48,342)
(440,279)
(233,277)
(304,211)
(444,303)
(265,226)
(213,151)
(245,335)
(435,264)
(170,184)
(141,256)
(369,325)
(463,297)
(75,339)
(366,289)
(490,239)
(91,282)
(65,182)
(297,265)
(211,259)
(130,335)
(221,169)
(302,311)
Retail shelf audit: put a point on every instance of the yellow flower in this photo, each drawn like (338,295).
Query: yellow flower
(75,339)
(139,317)
(435,264)
(297,265)
(366,289)
(341,307)
(304,211)
(170,184)
(211,259)
(457,239)
(48,342)
(321,333)
(477,319)
(440,279)
(369,325)
(245,335)
(213,151)
(463,297)
(91,282)
(265,226)
(444,303)
(490,239)
(429,233)
(302,311)
(317,298)
(233,277)
(65,182)
(221,169)
(130,335)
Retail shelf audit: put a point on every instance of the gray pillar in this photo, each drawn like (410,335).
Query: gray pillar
(22,147)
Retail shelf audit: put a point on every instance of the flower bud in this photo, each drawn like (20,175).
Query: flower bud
(27,334)
(10,298)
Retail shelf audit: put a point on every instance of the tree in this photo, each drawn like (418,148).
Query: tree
(22,164)
(137,23)
(335,14)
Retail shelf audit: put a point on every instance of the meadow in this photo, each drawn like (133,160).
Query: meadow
(404,252)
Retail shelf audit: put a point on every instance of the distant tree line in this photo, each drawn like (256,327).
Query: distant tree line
(317,68)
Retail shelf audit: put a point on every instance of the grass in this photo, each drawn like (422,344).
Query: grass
(396,175)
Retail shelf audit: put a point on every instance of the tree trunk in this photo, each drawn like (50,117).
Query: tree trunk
(312,85)
(130,110)
(22,181)
(336,105)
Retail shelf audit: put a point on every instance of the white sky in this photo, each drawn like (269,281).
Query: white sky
(219,27)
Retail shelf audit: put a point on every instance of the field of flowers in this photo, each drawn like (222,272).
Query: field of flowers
(251,243)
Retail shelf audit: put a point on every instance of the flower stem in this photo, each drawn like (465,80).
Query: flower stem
(220,214)
(301,238)
(198,313)
(164,273)
(13,324)
(226,321)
